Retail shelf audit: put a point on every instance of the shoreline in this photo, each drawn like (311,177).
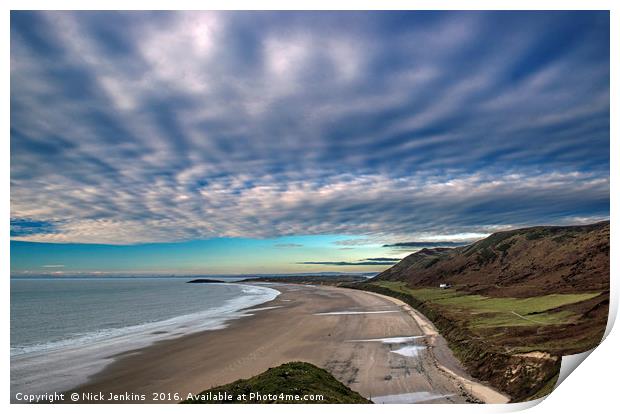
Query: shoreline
(350,333)
(63,365)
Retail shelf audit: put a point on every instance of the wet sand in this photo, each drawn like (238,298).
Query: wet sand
(376,345)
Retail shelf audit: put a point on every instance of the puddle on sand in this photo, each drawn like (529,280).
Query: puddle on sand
(409,348)
(409,398)
(355,312)
(265,308)
(392,340)
(409,351)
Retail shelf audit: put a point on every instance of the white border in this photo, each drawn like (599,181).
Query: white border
(592,387)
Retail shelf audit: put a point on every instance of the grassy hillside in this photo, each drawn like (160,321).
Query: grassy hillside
(292,383)
(523,262)
(520,300)
(512,325)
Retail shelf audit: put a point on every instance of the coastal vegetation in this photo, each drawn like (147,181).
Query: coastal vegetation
(497,319)
(518,301)
(293,383)
(483,312)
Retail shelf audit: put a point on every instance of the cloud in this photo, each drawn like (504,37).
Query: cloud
(354,242)
(422,244)
(376,261)
(288,245)
(26,227)
(362,263)
(134,127)
(53,265)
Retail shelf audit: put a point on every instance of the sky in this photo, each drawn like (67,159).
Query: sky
(285,142)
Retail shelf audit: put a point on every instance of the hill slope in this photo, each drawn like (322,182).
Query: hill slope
(517,263)
(520,300)
(287,383)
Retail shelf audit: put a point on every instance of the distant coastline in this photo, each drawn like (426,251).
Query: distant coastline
(205,281)
(223,277)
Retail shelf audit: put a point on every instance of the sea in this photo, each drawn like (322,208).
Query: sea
(64,329)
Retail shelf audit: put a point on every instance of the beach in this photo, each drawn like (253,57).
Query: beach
(376,345)
(64,330)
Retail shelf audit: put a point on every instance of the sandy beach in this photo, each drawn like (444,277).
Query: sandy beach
(376,345)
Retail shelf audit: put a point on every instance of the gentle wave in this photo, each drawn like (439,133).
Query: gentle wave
(210,319)
(60,365)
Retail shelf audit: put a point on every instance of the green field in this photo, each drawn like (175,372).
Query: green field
(488,312)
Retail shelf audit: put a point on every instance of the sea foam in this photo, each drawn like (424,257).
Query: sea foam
(61,365)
